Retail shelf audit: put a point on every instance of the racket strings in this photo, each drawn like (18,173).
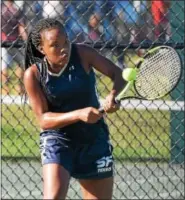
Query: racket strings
(158,74)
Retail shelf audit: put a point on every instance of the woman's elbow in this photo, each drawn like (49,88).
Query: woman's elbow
(45,124)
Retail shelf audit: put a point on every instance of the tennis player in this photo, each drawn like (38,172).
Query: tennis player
(74,139)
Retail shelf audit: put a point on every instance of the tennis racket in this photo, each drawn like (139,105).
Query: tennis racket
(157,74)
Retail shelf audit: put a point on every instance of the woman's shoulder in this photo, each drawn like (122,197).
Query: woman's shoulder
(31,72)
(84,49)
(87,54)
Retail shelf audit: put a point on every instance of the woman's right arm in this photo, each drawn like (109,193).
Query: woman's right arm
(51,120)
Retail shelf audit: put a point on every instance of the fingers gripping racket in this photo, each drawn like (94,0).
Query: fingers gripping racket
(155,75)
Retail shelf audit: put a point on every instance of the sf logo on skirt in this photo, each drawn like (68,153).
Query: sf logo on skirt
(104,164)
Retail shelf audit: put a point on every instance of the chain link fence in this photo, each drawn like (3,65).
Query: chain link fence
(148,137)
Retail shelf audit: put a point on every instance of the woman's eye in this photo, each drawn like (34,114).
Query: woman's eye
(55,45)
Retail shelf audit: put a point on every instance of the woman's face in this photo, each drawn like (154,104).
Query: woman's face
(55,46)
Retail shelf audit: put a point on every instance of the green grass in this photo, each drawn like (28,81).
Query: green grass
(133,134)
(20,134)
(138,134)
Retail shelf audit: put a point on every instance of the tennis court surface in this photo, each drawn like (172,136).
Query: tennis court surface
(132,181)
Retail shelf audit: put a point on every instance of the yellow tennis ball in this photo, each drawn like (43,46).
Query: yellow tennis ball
(129,74)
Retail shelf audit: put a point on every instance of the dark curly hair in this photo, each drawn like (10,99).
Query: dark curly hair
(32,53)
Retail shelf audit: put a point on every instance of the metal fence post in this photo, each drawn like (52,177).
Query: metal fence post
(177,117)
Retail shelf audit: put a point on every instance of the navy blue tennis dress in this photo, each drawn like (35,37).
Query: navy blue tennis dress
(81,148)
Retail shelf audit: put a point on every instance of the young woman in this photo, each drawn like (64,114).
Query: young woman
(74,139)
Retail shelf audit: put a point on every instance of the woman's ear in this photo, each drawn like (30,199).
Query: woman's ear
(41,50)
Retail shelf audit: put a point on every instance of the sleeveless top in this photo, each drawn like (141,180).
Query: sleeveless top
(73,89)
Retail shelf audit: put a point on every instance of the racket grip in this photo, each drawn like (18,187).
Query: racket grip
(101,109)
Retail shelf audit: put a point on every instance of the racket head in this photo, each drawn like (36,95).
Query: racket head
(139,84)
(159,72)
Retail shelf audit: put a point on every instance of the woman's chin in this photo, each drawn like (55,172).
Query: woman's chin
(63,62)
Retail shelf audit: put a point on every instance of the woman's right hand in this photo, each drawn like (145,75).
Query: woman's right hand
(90,115)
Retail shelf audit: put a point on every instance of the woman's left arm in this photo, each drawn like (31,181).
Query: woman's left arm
(105,66)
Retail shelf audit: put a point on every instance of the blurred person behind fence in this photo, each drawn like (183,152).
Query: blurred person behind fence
(95,29)
(53,9)
(159,10)
(127,16)
(32,14)
(103,26)
(12,29)
(66,12)
(73,21)
(129,22)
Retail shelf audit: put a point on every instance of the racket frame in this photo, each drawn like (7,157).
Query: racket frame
(131,83)
(141,60)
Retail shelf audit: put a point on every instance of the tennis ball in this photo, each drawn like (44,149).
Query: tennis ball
(129,74)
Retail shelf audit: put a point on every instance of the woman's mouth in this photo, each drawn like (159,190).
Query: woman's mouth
(64,56)
(63,59)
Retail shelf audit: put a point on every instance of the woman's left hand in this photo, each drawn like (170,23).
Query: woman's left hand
(109,104)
